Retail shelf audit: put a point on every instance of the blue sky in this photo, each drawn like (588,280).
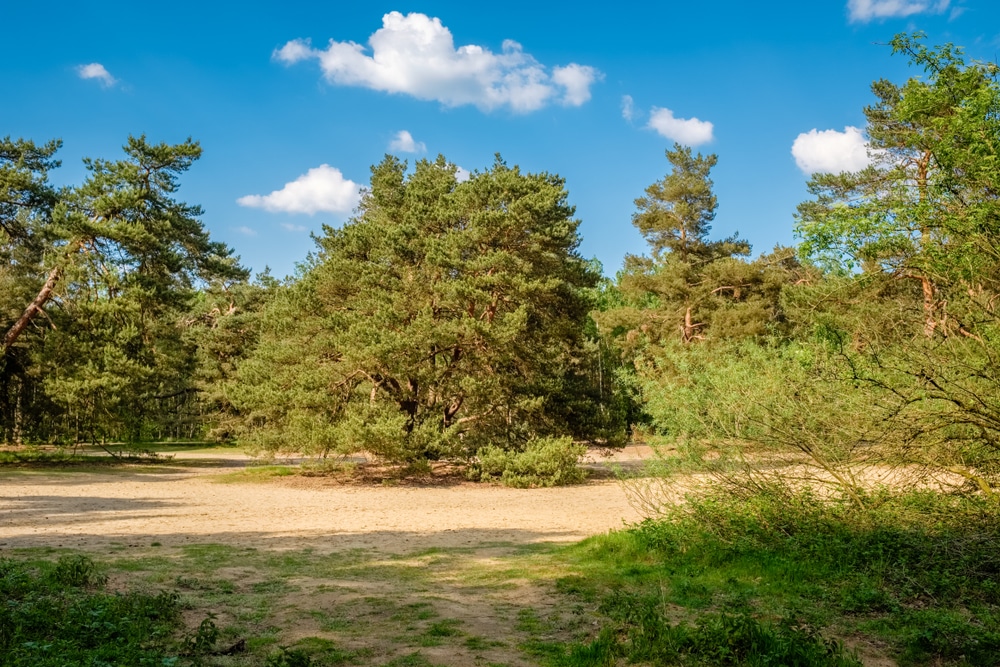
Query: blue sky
(290,121)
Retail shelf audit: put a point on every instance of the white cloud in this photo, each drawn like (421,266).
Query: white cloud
(404,143)
(830,151)
(294,51)
(688,131)
(323,189)
(247,231)
(576,80)
(462,174)
(294,228)
(628,110)
(867,10)
(416,55)
(96,71)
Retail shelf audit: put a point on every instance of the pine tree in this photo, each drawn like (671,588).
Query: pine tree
(107,270)
(671,294)
(443,317)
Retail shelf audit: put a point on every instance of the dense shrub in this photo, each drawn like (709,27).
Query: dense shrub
(760,574)
(543,462)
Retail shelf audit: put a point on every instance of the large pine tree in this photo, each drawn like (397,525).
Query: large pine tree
(444,316)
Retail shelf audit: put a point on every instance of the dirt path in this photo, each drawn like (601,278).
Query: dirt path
(177,505)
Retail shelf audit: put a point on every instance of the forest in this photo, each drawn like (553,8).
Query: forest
(457,320)
(831,410)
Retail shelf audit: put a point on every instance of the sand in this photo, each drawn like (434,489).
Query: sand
(173,505)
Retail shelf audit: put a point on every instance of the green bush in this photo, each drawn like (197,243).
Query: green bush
(713,639)
(543,462)
(55,614)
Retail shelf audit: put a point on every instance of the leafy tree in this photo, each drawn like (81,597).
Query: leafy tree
(443,317)
(26,203)
(925,210)
(112,264)
(223,326)
(917,232)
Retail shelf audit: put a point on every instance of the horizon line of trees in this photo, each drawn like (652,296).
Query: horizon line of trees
(447,317)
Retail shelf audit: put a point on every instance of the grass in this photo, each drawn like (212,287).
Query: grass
(761,579)
(358,607)
(259,473)
(142,457)
(60,613)
(773,579)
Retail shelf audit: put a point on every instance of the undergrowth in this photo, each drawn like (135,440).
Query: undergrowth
(62,457)
(774,578)
(56,614)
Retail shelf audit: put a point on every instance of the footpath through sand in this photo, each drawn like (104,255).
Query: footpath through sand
(174,504)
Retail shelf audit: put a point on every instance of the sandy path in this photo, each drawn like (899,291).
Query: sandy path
(95,509)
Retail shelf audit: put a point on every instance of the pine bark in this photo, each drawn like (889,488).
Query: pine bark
(33,309)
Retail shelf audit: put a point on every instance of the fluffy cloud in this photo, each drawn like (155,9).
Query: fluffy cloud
(96,71)
(323,189)
(246,231)
(293,227)
(866,10)
(628,108)
(688,131)
(462,174)
(404,143)
(415,55)
(830,151)
(576,81)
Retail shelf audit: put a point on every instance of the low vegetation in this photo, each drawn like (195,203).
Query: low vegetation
(56,614)
(543,462)
(771,578)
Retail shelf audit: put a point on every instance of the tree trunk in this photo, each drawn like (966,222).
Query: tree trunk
(927,287)
(33,309)
(930,307)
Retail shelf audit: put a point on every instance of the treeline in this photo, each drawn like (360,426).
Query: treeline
(873,348)
(458,321)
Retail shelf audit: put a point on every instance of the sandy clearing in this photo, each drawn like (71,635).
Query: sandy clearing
(178,506)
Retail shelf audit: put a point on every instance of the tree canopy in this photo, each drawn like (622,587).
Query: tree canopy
(97,278)
(443,317)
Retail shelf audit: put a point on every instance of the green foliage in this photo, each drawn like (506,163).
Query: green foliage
(713,639)
(765,572)
(543,462)
(223,327)
(768,402)
(289,658)
(920,227)
(692,288)
(202,641)
(55,614)
(444,317)
(101,275)
(925,209)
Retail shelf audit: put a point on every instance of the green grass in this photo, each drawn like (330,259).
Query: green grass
(262,473)
(775,580)
(356,607)
(59,613)
(758,580)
